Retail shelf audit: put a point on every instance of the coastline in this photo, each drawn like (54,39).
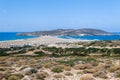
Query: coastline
(43,40)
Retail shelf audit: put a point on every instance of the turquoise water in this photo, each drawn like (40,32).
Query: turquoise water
(114,37)
(5,36)
(107,37)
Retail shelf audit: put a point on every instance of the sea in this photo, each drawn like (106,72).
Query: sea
(6,36)
(116,36)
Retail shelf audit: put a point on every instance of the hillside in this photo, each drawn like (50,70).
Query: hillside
(66,32)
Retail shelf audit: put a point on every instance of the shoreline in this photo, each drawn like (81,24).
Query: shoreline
(43,40)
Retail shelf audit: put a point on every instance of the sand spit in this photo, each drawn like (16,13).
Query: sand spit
(44,40)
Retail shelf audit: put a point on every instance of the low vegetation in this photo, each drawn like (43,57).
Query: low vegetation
(51,63)
(57,69)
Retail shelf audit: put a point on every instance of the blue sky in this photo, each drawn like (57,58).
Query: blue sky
(36,15)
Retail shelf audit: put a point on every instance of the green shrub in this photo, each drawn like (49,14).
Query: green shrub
(57,69)
(2,68)
(40,53)
(68,62)
(90,59)
(118,75)
(3,54)
(22,51)
(31,49)
(13,77)
(113,68)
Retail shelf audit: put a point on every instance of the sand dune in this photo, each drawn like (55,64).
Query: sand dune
(44,40)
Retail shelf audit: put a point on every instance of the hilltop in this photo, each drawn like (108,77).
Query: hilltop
(66,32)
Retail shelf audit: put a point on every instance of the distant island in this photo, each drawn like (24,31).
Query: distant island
(66,32)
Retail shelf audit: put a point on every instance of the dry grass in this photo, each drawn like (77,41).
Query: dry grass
(83,66)
(59,76)
(101,74)
(89,71)
(68,74)
(15,77)
(93,70)
(86,77)
(2,76)
(94,63)
(3,68)
(49,64)
(57,69)
(64,67)
(42,75)
(113,68)
(99,67)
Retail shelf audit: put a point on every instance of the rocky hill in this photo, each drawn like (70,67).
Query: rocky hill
(66,32)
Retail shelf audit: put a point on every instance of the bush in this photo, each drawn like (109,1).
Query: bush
(89,59)
(3,54)
(13,77)
(3,68)
(40,53)
(113,68)
(22,51)
(57,69)
(118,75)
(31,49)
(68,63)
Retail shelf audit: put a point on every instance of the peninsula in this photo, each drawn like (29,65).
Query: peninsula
(66,32)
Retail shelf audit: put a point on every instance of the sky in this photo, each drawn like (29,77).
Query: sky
(37,15)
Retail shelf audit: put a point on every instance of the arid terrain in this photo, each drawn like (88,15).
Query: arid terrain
(93,60)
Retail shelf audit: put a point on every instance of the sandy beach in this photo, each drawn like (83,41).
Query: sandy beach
(44,40)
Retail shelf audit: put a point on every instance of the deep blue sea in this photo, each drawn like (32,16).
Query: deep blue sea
(5,36)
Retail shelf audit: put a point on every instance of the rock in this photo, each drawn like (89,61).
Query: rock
(29,70)
(80,62)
